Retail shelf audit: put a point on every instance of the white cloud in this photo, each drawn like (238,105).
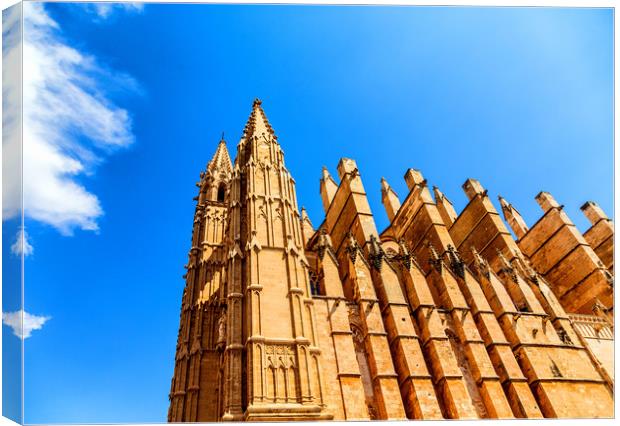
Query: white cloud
(23,323)
(21,244)
(105,10)
(11,112)
(69,124)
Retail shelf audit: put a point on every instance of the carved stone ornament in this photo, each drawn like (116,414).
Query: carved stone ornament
(506,266)
(377,254)
(322,243)
(434,258)
(456,263)
(481,264)
(221,330)
(404,254)
(352,248)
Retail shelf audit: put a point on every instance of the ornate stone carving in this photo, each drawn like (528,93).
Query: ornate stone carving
(506,266)
(481,264)
(322,244)
(352,247)
(221,330)
(377,254)
(434,258)
(280,355)
(456,263)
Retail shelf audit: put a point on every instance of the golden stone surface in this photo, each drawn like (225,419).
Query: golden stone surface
(442,315)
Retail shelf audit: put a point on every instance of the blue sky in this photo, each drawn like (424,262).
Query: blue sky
(521,99)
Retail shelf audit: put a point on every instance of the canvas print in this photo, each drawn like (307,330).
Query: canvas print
(229,212)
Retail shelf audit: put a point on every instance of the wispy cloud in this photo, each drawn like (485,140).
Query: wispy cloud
(23,323)
(11,112)
(70,124)
(103,11)
(21,244)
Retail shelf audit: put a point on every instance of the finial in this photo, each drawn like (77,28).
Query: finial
(257,102)
(326,174)
(457,264)
(376,253)
(222,139)
(404,255)
(304,213)
(481,263)
(384,184)
(507,266)
(352,246)
(434,259)
(323,242)
(503,259)
(598,308)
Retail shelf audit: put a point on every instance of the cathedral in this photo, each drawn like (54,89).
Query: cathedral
(442,315)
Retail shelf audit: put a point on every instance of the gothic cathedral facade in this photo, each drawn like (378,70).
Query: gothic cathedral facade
(440,316)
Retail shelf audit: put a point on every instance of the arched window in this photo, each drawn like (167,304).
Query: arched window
(221,191)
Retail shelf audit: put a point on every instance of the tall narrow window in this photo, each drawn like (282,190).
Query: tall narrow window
(221,191)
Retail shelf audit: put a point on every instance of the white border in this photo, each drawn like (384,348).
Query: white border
(545,3)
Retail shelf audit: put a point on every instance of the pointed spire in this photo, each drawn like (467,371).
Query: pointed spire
(326,174)
(445,207)
(304,215)
(259,123)
(514,218)
(328,189)
(307,229)
(221,159)
(390,200)
(385,186)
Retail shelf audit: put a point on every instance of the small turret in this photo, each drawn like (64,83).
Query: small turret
(306,226)
(328,189)
(218,171)
(390,200)
(445,207)
(513,217)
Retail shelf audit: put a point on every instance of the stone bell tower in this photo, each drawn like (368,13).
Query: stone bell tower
(197,380)
(268,363)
